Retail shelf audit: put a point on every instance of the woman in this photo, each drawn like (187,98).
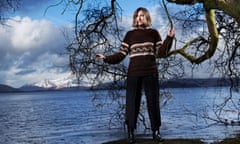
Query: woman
(143,44)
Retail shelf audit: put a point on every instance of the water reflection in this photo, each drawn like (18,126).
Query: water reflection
(71,117)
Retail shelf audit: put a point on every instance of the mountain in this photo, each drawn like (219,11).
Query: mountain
(178,83)
(57,84)
(6,88)
(188,83)
(70,84)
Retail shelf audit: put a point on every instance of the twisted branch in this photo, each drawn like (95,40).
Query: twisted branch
(212,28)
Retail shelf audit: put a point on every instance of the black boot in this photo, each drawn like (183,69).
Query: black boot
(156,136)
(131,138)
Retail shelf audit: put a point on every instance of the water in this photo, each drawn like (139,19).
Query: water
(71,117)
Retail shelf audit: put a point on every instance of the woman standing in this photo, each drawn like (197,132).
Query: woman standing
(143,44)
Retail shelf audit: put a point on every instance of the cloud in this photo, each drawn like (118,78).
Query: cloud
(30,48)
(24,72)
(30,34)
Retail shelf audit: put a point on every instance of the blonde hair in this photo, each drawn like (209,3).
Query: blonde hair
(146,14)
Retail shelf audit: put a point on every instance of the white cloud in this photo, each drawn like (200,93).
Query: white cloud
(30,51)
(26,34)
(30,48)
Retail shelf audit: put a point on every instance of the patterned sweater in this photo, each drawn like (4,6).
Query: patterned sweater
(142,46)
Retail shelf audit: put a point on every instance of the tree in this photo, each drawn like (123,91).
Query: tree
(97,30)
(230,7)
(7,6)
(223,25)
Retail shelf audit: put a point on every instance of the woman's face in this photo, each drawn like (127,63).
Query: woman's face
(141,19)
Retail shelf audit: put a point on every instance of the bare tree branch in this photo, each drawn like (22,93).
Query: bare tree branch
(230,7)
(6,7)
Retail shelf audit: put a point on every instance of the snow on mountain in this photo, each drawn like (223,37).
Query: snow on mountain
(45,84)
(58,83)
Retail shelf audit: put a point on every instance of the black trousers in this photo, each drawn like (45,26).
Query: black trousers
(150,86)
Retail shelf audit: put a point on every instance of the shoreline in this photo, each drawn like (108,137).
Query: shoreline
(176,141)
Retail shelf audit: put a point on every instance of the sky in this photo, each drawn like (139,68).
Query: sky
(32,43)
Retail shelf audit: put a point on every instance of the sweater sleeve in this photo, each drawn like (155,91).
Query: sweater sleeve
(163,47)
(115,58)
(121,54)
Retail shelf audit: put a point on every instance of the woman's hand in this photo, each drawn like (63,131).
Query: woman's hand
(171,32)
(100,56)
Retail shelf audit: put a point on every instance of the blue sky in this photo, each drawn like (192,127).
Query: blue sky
(32,43)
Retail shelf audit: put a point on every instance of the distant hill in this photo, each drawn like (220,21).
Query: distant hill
(71,85)
(32,88)
(6,88)
(177,83)
(187,83)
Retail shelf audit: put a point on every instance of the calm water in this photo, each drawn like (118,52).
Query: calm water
(72,117)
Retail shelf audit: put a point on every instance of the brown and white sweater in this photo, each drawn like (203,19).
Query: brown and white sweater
(142,46)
